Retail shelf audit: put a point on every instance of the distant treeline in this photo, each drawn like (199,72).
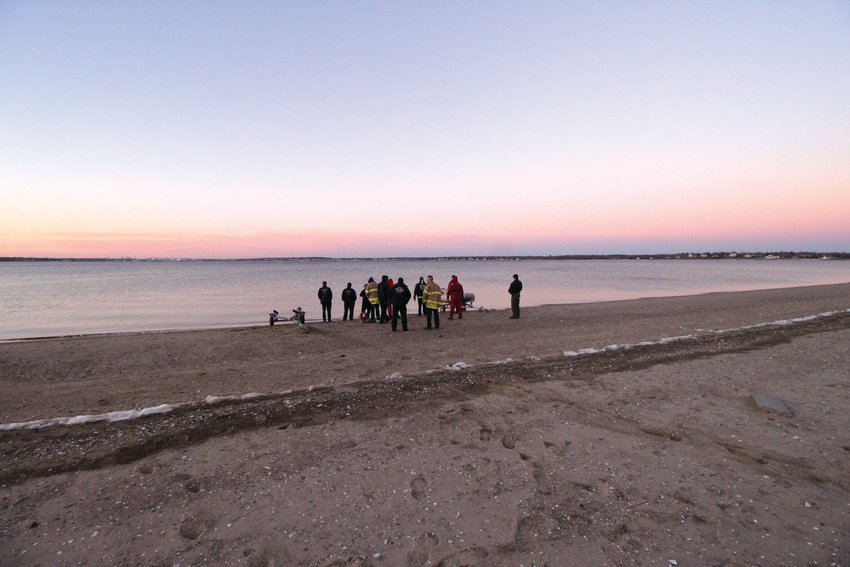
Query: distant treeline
(676,256)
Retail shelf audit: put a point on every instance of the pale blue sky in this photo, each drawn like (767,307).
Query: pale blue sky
(553,127)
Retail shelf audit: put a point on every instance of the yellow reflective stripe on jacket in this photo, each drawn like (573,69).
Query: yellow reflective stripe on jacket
(372,293)
(432,297)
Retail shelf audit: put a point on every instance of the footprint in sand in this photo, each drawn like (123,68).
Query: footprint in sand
(190,528)
(260,560)
(421,554)
(531,531)
(558,448)
(485,434)
(418,487)
(540,478)
(348,561)
(473,557)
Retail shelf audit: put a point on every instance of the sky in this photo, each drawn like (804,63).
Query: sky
(216,129)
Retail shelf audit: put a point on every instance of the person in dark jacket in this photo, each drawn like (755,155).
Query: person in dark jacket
(417,293)
(514,289)
(325,298)
(364,304)
(400,298)
(390,286)
(384,297)
(349,298)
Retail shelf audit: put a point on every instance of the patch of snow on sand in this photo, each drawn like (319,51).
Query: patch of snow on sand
(213,400)
(668,340)
(166,408)
(569,353)
(110,417)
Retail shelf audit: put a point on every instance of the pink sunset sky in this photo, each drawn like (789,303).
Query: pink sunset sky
(267,129)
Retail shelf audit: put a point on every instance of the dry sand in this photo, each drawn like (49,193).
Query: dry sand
(366,449)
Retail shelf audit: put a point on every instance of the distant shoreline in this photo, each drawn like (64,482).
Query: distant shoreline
(782,255)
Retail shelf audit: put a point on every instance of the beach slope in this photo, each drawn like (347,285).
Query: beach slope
(703,430)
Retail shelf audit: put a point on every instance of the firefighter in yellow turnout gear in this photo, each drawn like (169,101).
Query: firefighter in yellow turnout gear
(372,296)
(432,298)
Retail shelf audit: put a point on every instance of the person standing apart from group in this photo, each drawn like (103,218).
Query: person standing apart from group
(349,298)
(325,298)
(515,289)
(418,289)
(432,295)
(400,298)
(372,296)
(454,292)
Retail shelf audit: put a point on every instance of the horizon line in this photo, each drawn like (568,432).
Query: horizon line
(730,254)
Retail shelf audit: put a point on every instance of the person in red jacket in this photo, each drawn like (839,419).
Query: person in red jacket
(455,294)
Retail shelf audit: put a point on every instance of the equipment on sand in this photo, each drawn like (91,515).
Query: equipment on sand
(298,316)
(468,300)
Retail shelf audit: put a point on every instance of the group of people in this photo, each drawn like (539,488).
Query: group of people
(387,300)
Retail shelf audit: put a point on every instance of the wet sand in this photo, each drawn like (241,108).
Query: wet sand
(368,447)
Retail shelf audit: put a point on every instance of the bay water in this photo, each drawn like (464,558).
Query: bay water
(41,299)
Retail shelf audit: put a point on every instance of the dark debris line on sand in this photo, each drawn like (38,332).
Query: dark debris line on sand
(29,454)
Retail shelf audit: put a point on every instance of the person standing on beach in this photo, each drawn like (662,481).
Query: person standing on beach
(364,304)
(417,293)
(400,298)
(514,289)
(349,298)
(383,297)
(372,296)
(325,298)
(390,286)
(432,295)
(454,292)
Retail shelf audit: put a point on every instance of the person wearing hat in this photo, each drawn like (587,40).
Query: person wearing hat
(418,289)
(515,289)
(454,292)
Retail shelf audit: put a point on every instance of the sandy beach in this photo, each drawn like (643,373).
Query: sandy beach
(702,430)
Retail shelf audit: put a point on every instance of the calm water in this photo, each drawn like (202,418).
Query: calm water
(62,298)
